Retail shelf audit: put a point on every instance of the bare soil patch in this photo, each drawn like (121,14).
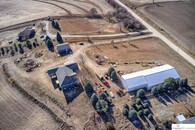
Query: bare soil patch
(176,18)
(141,54)
(86,26)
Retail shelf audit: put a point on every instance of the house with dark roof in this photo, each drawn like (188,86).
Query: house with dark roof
(63,49)
(66,75)
(26,34)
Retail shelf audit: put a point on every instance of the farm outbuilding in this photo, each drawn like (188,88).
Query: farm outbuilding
(148,78)
(63,49)
(180,118)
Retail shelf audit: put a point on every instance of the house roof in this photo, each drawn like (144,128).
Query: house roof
(63,46)
(64,72)
(52,71)
(26,31)
(71,65)
(180,118)
(148,78)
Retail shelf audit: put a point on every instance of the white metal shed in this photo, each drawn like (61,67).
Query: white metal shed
(148,78)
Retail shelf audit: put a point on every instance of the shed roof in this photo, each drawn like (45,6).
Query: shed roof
(148,78)
(180,118)
(63,46)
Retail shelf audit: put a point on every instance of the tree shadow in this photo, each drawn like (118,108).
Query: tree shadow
(21,51)
(51,49)
(161,100)
(72,93)
(137,123)
(189,89)
(172,96)
(154,123)
(146,100)
(166,98)
(145,121)
(108,116)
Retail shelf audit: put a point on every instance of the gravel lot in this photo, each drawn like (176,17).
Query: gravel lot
(176,18)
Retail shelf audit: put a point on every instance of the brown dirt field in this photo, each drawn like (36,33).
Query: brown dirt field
(177,19)
(168,109)
(146,50)
(86,26)
(17,112)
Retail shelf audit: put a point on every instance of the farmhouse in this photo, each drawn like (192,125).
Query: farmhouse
(148,78)
(26,34)
(65,75)
(63,49)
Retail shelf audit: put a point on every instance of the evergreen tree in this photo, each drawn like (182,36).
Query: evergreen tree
(114,76)
(110,70)
(94,99)
(102,96)
(125,112)
(59,38)
(49,43)
(140,93)
(132,115)
(15,47)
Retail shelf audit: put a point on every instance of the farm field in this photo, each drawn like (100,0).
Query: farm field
(17,112)
(177,19)
(32,10)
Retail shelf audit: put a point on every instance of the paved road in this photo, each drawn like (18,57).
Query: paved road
(157,34)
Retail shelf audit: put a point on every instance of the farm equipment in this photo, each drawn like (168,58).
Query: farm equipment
(111,95)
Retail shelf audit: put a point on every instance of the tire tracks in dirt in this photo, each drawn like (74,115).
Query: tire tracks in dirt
(67,11)
(92,3)
(86,11)
(15,84)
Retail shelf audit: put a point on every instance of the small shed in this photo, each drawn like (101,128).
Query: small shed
(63,49)
(180,118)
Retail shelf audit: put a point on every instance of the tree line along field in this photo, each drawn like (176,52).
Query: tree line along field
(177,19)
